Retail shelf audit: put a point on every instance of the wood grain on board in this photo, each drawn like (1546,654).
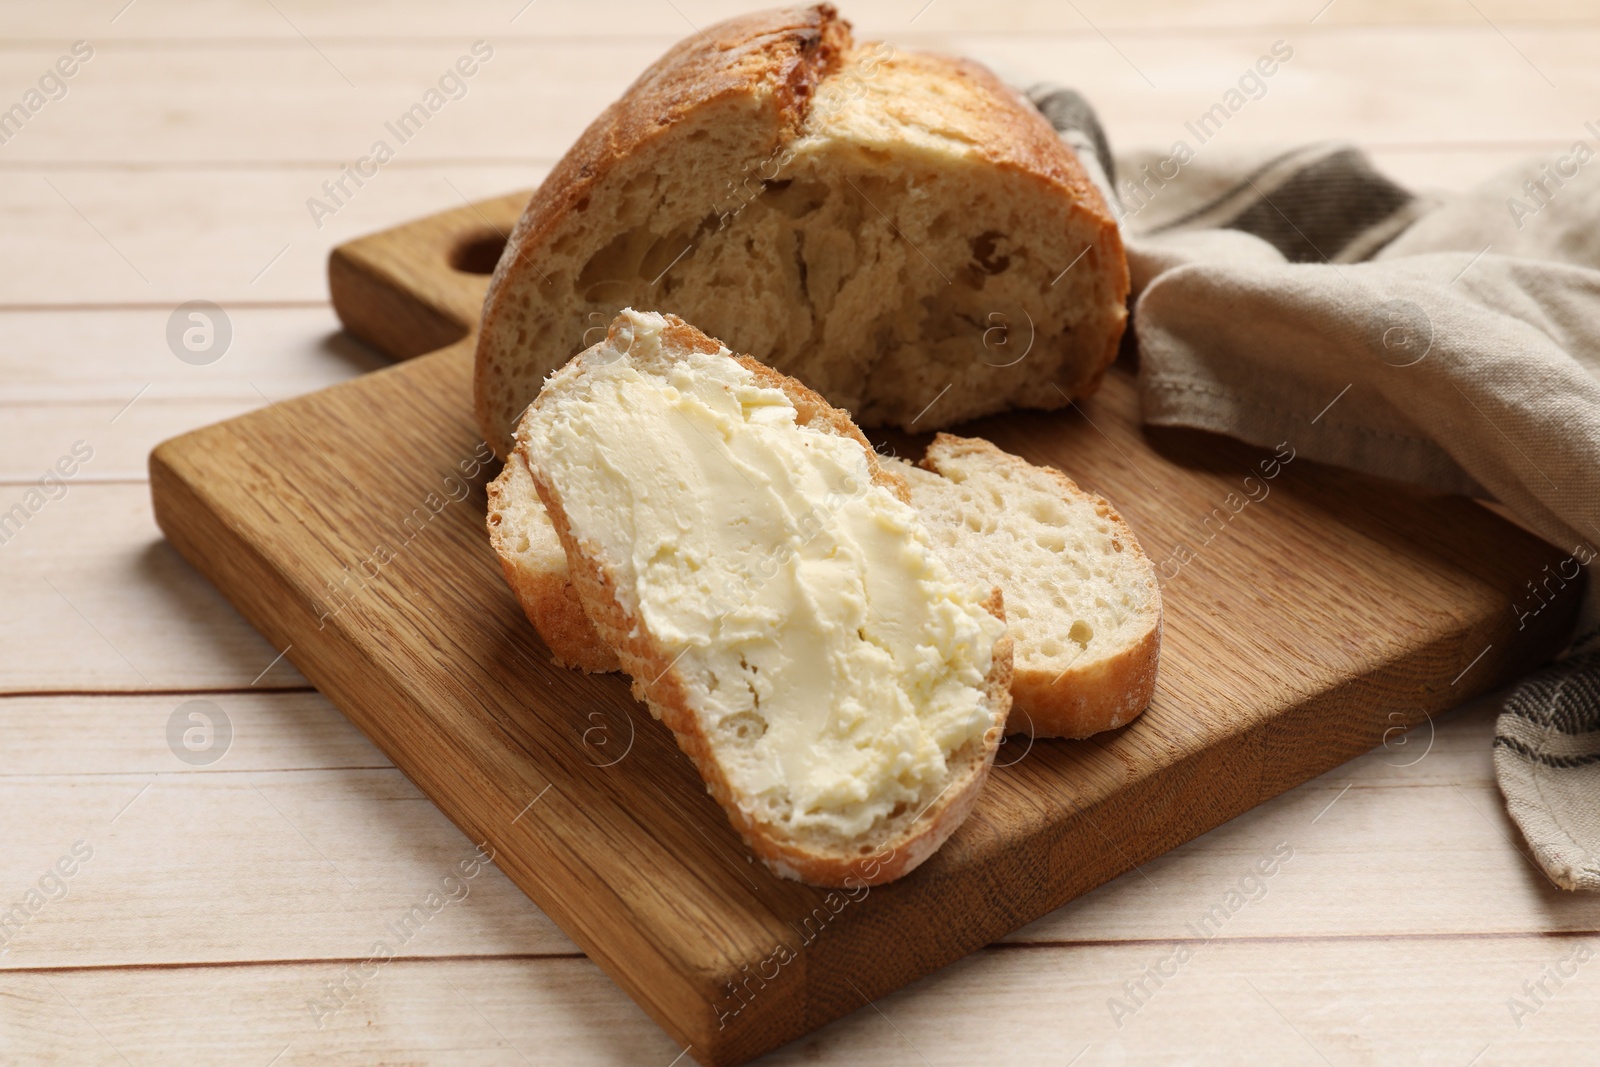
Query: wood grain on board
(347,525)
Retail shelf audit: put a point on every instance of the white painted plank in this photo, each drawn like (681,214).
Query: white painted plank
(1405,1000)
(157,19)
(231,235)
(494,1013)
(99,600)
(108,358)
(1404,840)
(34,437)
(1315,1002)
(1365,86)
(183,867)
(91,736)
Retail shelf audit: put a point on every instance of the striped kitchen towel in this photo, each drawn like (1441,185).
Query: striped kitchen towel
(1452,341)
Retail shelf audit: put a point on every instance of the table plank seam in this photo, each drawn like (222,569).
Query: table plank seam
(297,962)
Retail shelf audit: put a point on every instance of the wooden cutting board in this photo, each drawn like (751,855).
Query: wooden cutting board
(1309,616)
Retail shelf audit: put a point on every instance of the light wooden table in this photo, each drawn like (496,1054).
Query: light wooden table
(212,907)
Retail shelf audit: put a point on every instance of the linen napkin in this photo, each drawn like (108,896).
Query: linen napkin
(1451,341)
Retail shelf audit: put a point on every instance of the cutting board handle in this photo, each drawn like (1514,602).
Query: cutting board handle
(419,287)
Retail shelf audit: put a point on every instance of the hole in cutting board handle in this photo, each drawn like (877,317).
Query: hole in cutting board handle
(478,254)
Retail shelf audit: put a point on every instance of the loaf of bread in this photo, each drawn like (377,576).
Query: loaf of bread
(1082,601)
(901,231)
(777,603)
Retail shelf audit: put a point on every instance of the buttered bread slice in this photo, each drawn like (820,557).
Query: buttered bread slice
(776,601)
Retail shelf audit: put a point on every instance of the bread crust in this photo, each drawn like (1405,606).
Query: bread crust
(782,54)
(1098,696)
(1106,695)
(657,682)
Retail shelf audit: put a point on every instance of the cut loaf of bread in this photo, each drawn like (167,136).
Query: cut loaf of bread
(1082,601)
(775,600)
(901,231)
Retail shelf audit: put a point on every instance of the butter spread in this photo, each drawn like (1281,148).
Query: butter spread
(834,663)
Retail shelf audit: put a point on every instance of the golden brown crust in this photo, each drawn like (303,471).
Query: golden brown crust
(552,605)
(1009,132)
(657,682)
(1099,696)
(781,54)
(1104,696)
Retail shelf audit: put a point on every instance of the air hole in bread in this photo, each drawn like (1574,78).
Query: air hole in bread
(1049,512)
(794,199)
(986,255)
(1081,633)
(618,258)
(666,253)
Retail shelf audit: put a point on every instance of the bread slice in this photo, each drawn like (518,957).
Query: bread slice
(774,598)
(901,231)
(1082,601)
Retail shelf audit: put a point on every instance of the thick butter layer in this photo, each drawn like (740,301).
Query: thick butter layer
(836,659)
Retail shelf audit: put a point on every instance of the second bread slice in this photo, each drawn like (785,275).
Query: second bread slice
(1082,599)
